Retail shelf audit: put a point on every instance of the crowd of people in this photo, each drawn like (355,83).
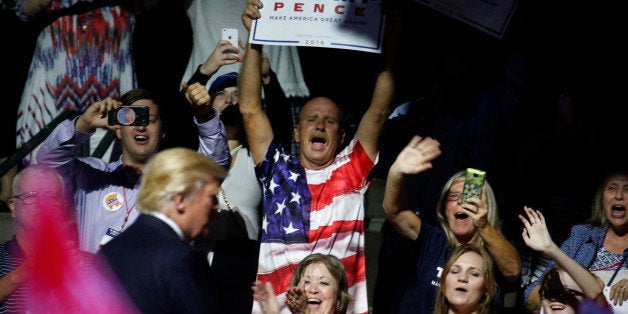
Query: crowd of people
(226,200)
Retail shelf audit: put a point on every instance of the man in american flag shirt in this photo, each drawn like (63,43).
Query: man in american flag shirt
(314,204)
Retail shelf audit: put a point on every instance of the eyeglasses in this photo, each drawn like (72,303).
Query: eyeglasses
(30,198)
(454,196)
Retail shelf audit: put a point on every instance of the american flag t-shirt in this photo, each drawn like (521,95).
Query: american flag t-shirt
(313,211)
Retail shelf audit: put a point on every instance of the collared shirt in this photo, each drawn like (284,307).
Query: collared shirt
(104,193)
(170,223)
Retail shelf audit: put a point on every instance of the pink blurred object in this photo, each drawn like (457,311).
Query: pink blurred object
(64,279)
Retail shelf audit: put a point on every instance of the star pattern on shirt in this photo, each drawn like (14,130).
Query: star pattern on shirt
(286,198)
(293,176)
(280,207)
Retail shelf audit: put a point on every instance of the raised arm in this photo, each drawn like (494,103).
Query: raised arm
(372,121)
(414,158)
(60,148)
(256,124)
(503,252)
(537,237)
(277,105)
(212,136)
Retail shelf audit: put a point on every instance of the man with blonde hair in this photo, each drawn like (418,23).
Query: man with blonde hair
(153,258)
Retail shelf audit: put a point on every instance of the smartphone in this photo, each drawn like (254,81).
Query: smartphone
(231,35)
(473,184)
(129,115)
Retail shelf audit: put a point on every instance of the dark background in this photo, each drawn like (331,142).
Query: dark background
(571,50)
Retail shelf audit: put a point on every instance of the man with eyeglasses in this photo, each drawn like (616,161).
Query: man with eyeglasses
(41,268)
(31,187)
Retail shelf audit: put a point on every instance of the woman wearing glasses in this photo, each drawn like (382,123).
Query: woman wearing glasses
(567,283)
(429,246)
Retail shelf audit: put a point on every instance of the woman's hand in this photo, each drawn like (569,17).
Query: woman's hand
(535,233)
(619,292)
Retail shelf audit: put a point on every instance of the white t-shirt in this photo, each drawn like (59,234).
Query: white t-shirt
(209,17)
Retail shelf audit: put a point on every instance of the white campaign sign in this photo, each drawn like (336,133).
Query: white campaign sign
(343,24)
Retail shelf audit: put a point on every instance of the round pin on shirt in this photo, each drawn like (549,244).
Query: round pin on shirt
(113,201)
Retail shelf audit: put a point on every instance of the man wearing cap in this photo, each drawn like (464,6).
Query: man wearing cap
(232,248)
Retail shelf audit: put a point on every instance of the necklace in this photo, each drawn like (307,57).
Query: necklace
(224,198)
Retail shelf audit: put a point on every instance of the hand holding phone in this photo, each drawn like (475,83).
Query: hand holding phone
(473,184)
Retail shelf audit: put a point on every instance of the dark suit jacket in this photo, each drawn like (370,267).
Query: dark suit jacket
(160,272)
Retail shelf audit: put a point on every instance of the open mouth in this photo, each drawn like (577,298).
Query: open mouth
(313,301)
(461,216)
(319,140)
(557,307)
(461,289)
(141,138)
(618,211)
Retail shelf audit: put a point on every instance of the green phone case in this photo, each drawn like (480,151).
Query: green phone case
(474,181)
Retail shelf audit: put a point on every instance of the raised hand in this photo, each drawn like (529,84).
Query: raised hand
(96,115)
(225,53)
(198,97)
(251,13)
(417,155)
(263,292)
(535,233)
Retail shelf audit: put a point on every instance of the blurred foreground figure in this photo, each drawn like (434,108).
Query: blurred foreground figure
(41,267)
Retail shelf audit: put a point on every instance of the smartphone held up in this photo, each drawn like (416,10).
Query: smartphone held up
(129,116)
(473,184)
(230,35)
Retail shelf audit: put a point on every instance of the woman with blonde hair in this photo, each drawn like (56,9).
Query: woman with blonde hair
(429,246)
(468,282)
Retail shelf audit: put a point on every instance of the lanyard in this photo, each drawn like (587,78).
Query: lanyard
(623,261)
(126,206)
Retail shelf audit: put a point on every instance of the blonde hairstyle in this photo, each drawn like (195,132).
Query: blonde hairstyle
(442,304)
(492,216)
(337,270)
(175,171)
(598,214)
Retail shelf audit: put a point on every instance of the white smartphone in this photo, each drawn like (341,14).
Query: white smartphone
(231,34)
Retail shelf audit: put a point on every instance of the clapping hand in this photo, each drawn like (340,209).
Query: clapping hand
(296,300)
(264,293)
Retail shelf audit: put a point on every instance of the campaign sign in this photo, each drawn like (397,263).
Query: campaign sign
(343,24)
